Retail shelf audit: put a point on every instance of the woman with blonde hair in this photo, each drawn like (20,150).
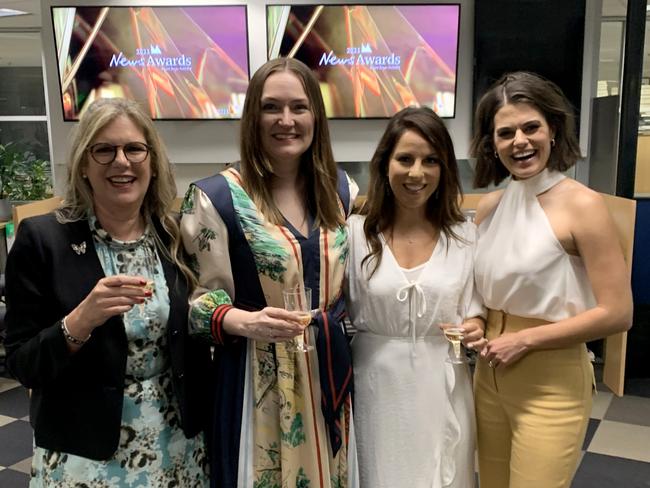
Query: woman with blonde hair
(97,318)
(275,221)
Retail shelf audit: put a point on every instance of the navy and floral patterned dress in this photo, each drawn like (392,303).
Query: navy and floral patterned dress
(153,451)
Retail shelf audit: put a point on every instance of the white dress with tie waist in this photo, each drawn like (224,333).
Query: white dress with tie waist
(521,267)
(414,412)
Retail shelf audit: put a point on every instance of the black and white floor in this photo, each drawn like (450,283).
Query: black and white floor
(616,450)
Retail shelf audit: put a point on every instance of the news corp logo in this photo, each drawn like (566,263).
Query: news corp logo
(361,56)
(151,57)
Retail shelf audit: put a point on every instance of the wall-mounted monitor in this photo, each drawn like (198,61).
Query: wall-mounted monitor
(178,62)
(372,60)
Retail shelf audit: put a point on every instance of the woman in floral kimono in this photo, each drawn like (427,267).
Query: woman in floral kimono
(274,221)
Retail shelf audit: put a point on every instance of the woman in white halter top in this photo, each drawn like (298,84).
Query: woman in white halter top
(551,272)
(409,270)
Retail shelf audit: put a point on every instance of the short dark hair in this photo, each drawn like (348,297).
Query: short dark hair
(442,207)
(543,95)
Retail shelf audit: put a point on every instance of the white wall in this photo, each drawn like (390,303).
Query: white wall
(195,146)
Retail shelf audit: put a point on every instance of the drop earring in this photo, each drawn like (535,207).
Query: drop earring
(553,142)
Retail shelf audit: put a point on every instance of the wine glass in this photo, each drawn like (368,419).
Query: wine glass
(298,299)
(149,285)
(454,334)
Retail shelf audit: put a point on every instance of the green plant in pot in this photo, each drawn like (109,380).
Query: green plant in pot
(23,177)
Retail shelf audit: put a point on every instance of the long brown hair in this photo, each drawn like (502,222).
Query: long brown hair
(162,187)
(317,166)
(542,94)
(442,208)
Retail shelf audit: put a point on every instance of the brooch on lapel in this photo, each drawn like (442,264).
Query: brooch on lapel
(79,248)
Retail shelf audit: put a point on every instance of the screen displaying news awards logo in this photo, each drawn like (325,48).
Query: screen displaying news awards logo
(151,56)
(361,56)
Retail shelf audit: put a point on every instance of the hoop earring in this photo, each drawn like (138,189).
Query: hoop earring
(553,142)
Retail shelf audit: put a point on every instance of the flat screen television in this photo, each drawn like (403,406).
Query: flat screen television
(372,60)
(178,62)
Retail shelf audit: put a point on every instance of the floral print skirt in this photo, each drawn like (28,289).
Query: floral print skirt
(153,451)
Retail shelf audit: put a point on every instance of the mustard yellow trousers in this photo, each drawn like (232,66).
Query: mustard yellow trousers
(531,416)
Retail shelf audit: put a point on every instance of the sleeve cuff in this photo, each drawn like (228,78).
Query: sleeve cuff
(216,325)
(206,317)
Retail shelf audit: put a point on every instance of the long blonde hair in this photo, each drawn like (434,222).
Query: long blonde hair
(318,165)
(162,187)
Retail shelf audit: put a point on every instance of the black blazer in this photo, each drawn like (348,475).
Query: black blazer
(76,402)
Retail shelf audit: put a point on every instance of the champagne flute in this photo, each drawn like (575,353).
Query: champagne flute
(454,334)
(298,299)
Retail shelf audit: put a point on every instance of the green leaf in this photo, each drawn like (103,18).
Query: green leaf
(23,176)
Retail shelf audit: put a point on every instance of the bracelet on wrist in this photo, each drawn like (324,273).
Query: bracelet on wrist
(69,337)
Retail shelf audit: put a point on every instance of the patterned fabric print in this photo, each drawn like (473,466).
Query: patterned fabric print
(290,435)
(153,450)
(270,255)
(341,243)
(187,206)
(201,313)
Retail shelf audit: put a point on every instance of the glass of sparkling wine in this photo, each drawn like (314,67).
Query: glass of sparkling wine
(298,299)
(454,334)
(148,286)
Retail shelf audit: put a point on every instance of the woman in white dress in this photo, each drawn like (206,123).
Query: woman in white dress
(551,272)
(410,270)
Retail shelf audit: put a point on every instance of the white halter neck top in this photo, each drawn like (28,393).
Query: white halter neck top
(521,267)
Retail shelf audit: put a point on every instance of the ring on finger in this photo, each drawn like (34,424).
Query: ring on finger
(490,364)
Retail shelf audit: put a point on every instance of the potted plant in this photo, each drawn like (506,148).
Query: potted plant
(23,177)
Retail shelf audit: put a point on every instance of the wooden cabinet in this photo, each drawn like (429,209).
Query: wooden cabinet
(642,179)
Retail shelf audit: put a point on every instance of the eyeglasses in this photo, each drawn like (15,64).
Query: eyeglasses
(105,153)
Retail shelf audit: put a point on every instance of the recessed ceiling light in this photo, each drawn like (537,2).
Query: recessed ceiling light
(9,12)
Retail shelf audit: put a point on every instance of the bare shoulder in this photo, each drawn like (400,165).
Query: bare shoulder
(583,210)
(487,204)
(579,199)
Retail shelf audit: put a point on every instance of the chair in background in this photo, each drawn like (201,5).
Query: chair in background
(34,208)
(623,211)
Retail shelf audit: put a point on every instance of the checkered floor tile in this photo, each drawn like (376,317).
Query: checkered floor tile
(616,448)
